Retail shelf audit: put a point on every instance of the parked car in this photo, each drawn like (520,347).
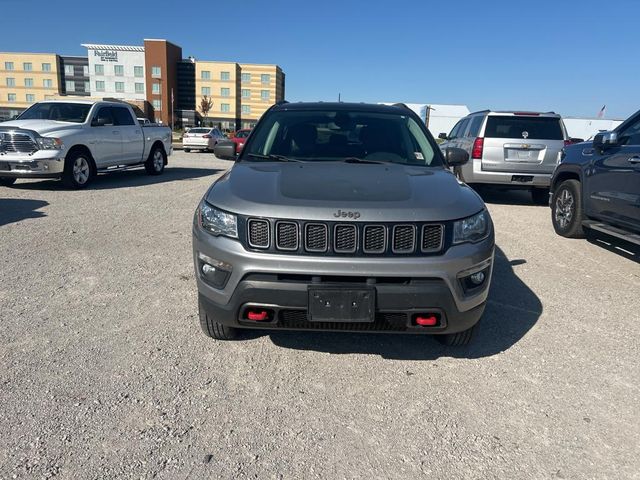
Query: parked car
(340,216)
(510,149)
(597,185)
(201,138)
(240,138)
(75,140)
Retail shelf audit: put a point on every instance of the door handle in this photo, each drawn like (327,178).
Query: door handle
(634,159)
(116,132)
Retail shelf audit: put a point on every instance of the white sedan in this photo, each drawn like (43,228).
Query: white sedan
(201,139)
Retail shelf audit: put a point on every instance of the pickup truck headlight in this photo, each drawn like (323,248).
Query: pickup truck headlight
(471,229)
(216,221)
(49,143)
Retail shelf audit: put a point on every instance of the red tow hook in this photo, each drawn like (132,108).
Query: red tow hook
(429,321)
(257,315)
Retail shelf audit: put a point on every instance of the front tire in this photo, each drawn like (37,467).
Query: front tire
(540,196)
(156,161)
(7,181)
(566,209)
(459,339)
(186,150)
(78,170)
(214,329)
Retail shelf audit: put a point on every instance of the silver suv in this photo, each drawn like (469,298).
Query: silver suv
(514,149)
(341,216)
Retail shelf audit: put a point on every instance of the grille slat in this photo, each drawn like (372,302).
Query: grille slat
(432,237)
(345,238)
(259,233)
(404,239)
(287,236)
(316,237)
(375,239)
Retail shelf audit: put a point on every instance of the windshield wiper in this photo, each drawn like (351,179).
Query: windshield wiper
(362,160)
(278,158)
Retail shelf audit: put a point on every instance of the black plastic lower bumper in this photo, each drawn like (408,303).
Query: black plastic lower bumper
(396,308)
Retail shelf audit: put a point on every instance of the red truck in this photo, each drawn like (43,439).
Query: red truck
(239,138)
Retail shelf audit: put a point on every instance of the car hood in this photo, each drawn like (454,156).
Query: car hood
(334,191)
(43,127)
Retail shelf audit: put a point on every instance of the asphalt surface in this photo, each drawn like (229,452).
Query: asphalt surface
(105,372)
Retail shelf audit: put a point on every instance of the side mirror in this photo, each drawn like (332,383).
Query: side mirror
(604,140)
(442,136)
(456,156)
(225,150)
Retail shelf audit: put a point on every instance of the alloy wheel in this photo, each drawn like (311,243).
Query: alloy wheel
(565,208)
(81,170)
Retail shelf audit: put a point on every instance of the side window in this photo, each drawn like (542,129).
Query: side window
(631,134)
(454,130)
(463,127)
(122,116)
(474,129)
(103,117)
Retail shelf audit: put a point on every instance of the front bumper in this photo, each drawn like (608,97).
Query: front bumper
(404,286)
(40,164)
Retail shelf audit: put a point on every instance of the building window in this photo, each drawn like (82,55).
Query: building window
(70,85)
(155,88)
(156,72)
(46,67)
(246,93)
(225,92)
(225,107)
(205,75)
(246,77)
(85,70)
(28,82)
(99,69)
(31,98)
(99,86)
(157,105)
(27,66)
(138,72)
(118,70)
(11,97)
(246,109)
(139,87)
(13,113)
(225,76)
(265,78)
(87,87)
(264,95)
(68,70)
(47,83)
(120,87)
(205,91)
(8,65)
(11,82)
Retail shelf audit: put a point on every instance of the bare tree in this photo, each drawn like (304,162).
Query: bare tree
(205,106)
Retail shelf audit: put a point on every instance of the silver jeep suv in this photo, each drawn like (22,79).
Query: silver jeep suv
(342,216)
(514,149)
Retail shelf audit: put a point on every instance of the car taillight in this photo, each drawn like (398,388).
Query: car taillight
(206,136)
(568,142)
(478,146)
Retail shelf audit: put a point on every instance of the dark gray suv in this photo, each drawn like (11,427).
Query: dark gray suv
(341,216)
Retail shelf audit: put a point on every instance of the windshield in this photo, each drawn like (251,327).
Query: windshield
(61,112)
(330,135)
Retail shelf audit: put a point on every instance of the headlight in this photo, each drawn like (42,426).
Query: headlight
(48,143)
(471,229)
(216,221)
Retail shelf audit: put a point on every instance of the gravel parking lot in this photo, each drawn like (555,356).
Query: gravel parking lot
(106,374)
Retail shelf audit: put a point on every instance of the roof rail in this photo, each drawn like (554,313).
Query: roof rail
(402,105)
(480,111)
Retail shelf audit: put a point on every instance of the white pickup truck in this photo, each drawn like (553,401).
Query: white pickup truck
(74,140)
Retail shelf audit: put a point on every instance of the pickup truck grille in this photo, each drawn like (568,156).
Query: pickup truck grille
(11,142)
(332,238)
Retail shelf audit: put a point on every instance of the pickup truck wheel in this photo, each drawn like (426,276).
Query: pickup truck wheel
(7,181)
(155,163)
(566,209)
(78,170)
(457,339)
(540,196)
(216,330)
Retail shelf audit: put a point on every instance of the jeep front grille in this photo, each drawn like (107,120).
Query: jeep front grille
(332,238)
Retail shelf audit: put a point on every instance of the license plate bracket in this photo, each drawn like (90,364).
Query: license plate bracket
(339,304)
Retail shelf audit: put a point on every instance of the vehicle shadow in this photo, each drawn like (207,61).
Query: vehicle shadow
(512,310)
(499,196)
(125,179)
(16,209)
(615,245)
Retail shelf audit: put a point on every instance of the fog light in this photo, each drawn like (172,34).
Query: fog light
(213,272)
(208,270)
(477,278)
